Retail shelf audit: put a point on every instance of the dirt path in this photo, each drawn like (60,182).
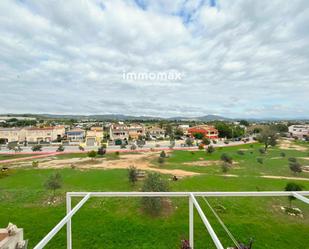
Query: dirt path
(286,177)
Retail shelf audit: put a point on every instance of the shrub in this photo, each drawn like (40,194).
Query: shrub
(123,146)
(292,159)
(163,154)
(262,151)
(200,146)
(225,167)
(226,158)
(206,141)
(210,149)
(185,244)
(92,154)
(214,141)
(81,148)
(35,164)
(37,147)
(260,160)
(53,183)
(161,160)
(117,153)
(101,151)
(60,148)
(295,167)
(282,154)
(240,152)
(132,174)
(154,183)
(226,141)
(133,147)
(189,142)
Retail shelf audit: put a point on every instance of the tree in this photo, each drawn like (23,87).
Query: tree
(198,135)
(268,137)
(92,154)
(81,148)
(206,141)
(140,143)
(60,148)
(291,186)
(154,183)
(37,147)
(295,167)
(210,149)
(53,183)
(178,133)
(226,158)
(132,174)
(189,142)
(244,122)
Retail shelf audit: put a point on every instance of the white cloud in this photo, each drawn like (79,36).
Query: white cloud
(241,58)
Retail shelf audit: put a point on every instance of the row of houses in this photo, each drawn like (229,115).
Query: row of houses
(95,135)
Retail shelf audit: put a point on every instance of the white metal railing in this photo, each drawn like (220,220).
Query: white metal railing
(192,203)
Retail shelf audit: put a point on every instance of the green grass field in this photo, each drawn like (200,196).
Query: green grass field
(120,222)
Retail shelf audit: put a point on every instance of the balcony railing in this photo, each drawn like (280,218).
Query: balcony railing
(192,203)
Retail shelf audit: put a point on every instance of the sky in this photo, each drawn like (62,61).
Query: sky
(236,58)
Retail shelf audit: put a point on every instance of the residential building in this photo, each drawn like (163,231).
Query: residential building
(299,131)
(94,136)
(10,135)
(32,134)
(44,134)
(135,131)
(184,128)
(156,132)
(207,130)
(76,135)
(118,132)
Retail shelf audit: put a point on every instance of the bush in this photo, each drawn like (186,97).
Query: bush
(37,147)
(123,146)
(260,160)
(206,141)
(133,147)
(117,153)
(240,152)
(214,141)
(60,148)
(295,167)
(226,158)
(154,183)
(161,160)
(282,154)
(101,151)
(92,154)
(189,142)
(292,160)
(262,151)
(53,183)
(132,174)
(163,154)
(225,167)
(35,164)
(210,149)
(200,146)
(226,141)
(81,148)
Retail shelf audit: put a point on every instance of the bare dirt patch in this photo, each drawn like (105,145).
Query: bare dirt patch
(141,161)
(289,145)
(286,177)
